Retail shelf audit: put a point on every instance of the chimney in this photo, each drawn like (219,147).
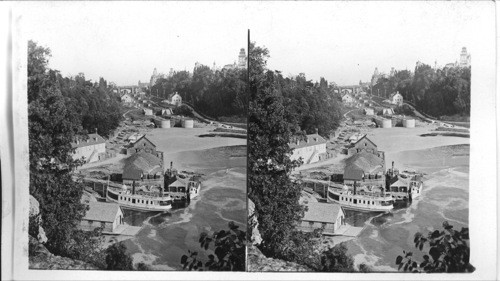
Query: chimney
(133,187)
(316,129)
(171,165)
(393,168)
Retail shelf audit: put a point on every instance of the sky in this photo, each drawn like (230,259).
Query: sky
(341,41)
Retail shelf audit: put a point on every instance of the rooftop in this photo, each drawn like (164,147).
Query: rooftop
(353,173)
(313,139)
(101,211)
(92,140)
(367,162)
(178,183)
(322,212)
(143,161)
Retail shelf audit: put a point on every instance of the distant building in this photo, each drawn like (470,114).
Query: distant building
(464,58)
(143,85)
(155,77)
(397,99)
(148,111)
(348,99)
(242,59)
(91,149)
(108,216)
(127,98)
(376,75)
(363,143)
(387,111)
(369,111)
(176,99)
(143,144)
(312,150)
(328,216)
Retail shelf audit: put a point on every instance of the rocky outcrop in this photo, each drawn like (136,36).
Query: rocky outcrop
(255,259)
(257,262)
(41,258)
(34,217)
(256,239)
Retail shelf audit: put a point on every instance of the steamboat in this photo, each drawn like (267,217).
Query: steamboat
(361,198)
(405,185)
(142,198)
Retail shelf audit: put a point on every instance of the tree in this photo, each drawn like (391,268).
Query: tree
(117,258)
(448,251)
(269,186)
(229,250)
(55,105)
(336,259)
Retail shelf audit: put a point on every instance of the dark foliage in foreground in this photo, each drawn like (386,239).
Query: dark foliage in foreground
(228,251)
(448,251)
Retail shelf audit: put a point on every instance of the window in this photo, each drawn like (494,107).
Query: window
(323,224)
(103,224)
(311,223)
(91,222)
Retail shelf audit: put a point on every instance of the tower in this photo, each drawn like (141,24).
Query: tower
(154,77)
(464,58)
(242,59)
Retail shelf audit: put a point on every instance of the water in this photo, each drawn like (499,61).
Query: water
(165,237)
(445,197)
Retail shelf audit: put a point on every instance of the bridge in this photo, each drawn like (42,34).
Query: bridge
(350,89)
(128,89)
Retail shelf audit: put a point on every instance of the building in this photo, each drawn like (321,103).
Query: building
(387,111)
(176,99)
(108,216)
(143,85)
(143,144)
(311,150)
(369,111)
(143,168)
(353,174)
(365,168)
(242,59)
(329,217)
(127,98)
(397,99)
(376,75)
(91,149)
(148,111)
(464,58)
(360,143)
(155,77)
(347,98)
